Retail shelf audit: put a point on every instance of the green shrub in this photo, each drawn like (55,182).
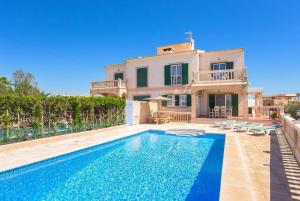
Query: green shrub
(292,108)
(47,113)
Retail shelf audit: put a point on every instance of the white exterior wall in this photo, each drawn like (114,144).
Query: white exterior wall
(196,60)
(155,67)
(237,57)
(111,70)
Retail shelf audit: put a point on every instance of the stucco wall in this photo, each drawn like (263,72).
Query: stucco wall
(111,70)
(236,56)
(156,65)
(202,100)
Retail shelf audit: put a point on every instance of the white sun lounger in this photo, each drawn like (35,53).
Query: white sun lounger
(222,123)
(246,127)
(267,130)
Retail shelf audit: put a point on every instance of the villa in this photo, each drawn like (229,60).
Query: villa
(196,80)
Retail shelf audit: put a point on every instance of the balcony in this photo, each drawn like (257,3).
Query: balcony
(110,88)
(220,76)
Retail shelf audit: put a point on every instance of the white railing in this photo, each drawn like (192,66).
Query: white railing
(176,116)
(291,129)
(220,75)
(108,84)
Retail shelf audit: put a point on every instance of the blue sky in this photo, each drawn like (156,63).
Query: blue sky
(64,44)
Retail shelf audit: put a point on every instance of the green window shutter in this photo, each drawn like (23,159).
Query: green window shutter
(211,101)
(235,105)
(185,74)
(167,75)
(164,103)
(176,100)
(142,77)
(118,76)
(140,98)
(229,65)
(188,100)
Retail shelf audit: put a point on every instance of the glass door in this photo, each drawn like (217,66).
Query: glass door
(220,100)
(228,101)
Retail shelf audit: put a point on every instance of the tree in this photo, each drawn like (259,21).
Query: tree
(298,96)
(25,84)
(5,86)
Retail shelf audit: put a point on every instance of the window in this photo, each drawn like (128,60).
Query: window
(176,74)
(219,66)
(178,100)
(118,76)
(142,77)
(183,100)
(220,73)
(170,103)
(140,98)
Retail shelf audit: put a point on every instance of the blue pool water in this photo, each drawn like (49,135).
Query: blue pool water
(148,166)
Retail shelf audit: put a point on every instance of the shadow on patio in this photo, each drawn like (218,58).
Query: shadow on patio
(284,170)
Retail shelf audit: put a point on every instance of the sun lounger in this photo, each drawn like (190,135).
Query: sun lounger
(233,125)
(246,127)
(222,123)
(263,130)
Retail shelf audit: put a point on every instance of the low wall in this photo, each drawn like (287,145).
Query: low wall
(142,111)
(291,128)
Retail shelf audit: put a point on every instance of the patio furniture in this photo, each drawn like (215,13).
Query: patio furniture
(246,127)
(229,112)
(233,125)
(263,130)
(161,118)
(217,111)
(222,123)
(223,112)
(211,113)
(155,117)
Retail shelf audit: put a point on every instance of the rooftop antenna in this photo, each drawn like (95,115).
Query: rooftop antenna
(189,37)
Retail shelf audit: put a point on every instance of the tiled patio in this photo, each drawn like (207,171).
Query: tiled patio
(254,167)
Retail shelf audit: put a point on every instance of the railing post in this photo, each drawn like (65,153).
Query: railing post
(119,83)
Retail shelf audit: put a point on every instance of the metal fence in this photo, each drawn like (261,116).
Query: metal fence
(291,129)
(11,135)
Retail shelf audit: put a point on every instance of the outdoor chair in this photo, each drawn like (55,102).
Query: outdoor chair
(217,111)
(211,113)
(223,112)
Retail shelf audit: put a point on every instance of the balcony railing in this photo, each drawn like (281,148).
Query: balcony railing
(112,84)
(220,75)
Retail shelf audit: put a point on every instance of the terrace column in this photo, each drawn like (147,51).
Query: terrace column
(194,106)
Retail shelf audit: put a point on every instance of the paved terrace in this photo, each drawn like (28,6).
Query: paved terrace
(254,167)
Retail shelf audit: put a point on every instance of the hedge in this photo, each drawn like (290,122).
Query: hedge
(26,117)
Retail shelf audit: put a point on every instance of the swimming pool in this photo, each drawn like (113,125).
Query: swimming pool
(151,165)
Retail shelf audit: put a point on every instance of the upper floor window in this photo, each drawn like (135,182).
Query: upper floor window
(219,66)
(222,66)
(142,77)
(118,76)
(176,74)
